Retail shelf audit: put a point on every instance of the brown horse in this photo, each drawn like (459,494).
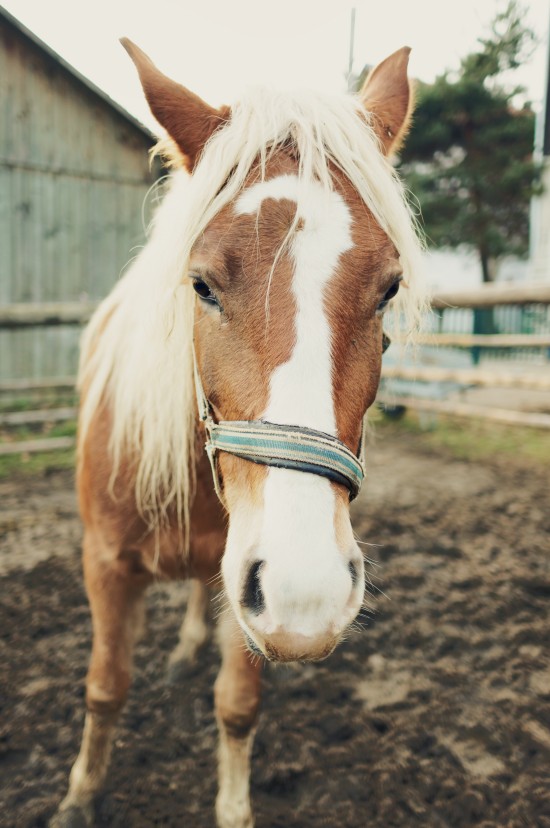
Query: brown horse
(281,240)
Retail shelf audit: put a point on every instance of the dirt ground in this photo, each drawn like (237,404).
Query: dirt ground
(436,714)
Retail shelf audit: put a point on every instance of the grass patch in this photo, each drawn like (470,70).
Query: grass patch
(65,428)
(38,403)
(36,464)
(468,439)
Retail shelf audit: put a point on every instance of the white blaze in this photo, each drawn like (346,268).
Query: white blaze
(301,389)
(305,578)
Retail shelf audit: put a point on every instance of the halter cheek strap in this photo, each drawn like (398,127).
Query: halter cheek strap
(282,446)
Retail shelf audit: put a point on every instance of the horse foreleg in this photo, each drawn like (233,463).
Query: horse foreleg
(237,698)
(193,634)
(115,586)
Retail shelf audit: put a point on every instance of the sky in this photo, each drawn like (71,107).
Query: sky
(219,47)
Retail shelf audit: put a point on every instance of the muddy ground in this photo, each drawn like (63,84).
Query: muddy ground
(436,714)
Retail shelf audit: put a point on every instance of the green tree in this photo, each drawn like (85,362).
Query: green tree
(469,156)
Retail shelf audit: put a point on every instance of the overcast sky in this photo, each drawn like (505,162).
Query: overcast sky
(218,47)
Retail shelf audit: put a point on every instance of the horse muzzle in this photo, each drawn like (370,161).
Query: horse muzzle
(301,618)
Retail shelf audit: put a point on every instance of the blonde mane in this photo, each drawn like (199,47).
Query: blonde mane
(137,350)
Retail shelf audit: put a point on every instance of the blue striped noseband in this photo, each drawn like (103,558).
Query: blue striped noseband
(287,447)
(282,446)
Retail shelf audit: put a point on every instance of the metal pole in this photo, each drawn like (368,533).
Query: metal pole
(546,130)
(540,205)
(351,48)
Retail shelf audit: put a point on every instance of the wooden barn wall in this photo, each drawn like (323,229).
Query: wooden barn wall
(74,175)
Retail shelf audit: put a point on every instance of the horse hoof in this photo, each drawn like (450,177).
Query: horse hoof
(234,819)
(179,671)
(75,816)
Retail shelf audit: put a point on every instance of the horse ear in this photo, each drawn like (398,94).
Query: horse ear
(188,120)
(387,95)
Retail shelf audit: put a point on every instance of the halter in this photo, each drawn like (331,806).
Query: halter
(282,446)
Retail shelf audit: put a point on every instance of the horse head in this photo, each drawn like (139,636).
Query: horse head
(303,239)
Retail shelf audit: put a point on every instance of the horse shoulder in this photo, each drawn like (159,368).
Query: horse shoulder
(108,508)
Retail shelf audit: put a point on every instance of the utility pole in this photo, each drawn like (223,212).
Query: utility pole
(540,215)
(351,49)
(546,132)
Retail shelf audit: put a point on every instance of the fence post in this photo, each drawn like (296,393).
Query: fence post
(484,323)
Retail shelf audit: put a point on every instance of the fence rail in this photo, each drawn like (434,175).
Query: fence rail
(487,296)
(32,446)
(45,314)
(47,415)
(15,386)
(468,376)
(458,340)
(28,314)
(17,316)
(533,419)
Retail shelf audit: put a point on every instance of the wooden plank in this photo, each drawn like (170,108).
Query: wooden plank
(487,296)
(33,446)
(457,409)
(6,182)
(44,384)
(47,415)
(468,376)
(72,172)
(28,314)
(23,314)
(461,340)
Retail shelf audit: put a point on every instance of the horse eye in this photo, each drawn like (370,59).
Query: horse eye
(390,293)
(203,291)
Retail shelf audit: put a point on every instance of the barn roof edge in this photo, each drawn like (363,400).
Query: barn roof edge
(96,90)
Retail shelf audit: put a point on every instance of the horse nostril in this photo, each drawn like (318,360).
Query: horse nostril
(253,597)
(353,572)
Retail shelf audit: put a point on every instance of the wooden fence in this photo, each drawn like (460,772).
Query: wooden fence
(16,316)
(520,375)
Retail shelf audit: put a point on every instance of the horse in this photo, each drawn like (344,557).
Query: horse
(282,238)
